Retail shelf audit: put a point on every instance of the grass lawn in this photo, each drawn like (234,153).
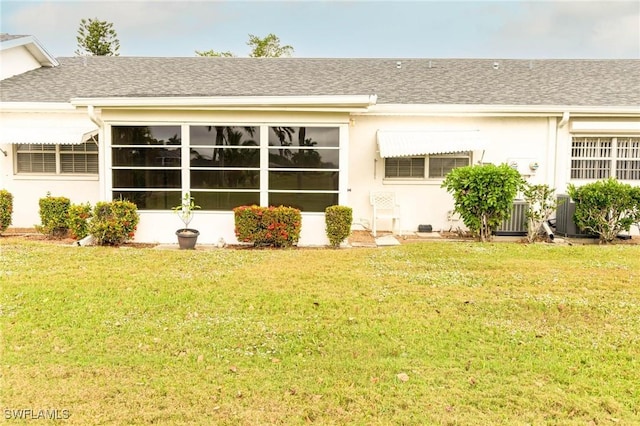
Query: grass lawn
(428,333)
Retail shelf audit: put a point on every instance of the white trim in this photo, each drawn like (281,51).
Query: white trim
(331,103)
(36,106)
(34,47)
(605,126)
(498,110)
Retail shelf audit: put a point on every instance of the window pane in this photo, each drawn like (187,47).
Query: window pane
(225,200)
(225,157)
(224,135)
(150,200)
(146,178)
(304,158)
(304,136)
(36,162)
(303,201)
(146,157)
(79,163)
(440,166)
(303,180)
(213,179)
(406,167)
(146,135)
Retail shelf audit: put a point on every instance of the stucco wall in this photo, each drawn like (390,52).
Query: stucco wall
(424,201)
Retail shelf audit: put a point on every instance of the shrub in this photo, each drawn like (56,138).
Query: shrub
(113,222)
(606,207)
(78,220)
(483,196)
(53,216)
(338,223)
(541,203)
(267,226)
(6,209)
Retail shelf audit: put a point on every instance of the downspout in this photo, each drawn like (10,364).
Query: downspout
(563,122)
(93,117)
(565,119)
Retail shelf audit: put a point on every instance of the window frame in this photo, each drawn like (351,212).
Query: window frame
(58,152)
(609,160)
(426,166)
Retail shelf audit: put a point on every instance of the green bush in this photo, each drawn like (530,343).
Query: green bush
(483,196)
(606,207)
(338,221)
(78,220)
(6,209)
(114,222)
(53,216)
(267,226)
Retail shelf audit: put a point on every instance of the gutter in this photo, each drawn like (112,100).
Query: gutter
(327,102)
(93,117)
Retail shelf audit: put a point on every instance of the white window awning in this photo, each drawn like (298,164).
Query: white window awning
(408,143)
(46,131)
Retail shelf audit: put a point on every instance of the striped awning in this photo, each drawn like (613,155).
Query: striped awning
(407,143)
(46,131)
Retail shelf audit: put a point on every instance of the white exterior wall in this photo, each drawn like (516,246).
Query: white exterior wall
(424,201)
(15,61)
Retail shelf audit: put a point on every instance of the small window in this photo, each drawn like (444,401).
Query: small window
(404,167)
(441,165)
(596,158)
(432,167)
(57,159)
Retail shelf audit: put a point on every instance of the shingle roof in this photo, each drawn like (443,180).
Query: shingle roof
(416,81)
(7,37)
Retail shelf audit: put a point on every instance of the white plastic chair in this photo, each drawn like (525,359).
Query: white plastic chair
(385,207)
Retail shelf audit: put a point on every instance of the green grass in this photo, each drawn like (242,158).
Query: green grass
(486,334)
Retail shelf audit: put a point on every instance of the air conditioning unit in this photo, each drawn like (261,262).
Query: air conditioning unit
(565,225)
(516,225)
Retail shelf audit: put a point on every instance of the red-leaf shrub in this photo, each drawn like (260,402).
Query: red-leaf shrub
(268,226)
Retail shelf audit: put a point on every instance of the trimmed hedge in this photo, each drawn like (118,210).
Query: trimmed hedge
(53,216)
(6,209)
(114,222)
(606,207)
(78,220)
(268,226)
(338,221)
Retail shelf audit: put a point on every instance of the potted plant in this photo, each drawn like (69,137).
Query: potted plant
(186,237)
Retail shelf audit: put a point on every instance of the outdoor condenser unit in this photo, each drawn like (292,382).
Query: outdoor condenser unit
(517,223)
(565,225)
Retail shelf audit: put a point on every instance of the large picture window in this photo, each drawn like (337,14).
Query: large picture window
(225,166)
(146,165)
(431,167)
(49,159)
(602,157)
(304,167)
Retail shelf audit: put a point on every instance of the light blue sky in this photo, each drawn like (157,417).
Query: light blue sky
(392,29)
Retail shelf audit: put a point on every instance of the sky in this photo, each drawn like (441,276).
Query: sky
(383,29)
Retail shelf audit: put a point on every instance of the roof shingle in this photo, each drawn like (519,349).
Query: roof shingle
(414,81)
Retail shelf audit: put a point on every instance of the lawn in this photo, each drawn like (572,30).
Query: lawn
(427,333)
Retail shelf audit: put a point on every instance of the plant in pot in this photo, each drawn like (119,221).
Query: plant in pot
(186,237)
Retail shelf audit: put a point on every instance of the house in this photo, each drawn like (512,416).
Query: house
(303,132)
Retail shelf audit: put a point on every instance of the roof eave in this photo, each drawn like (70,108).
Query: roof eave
(349,103)
(35,48)
(500,110)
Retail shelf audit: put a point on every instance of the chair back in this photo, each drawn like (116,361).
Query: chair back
(383,200)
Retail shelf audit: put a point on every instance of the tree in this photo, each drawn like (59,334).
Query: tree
(267,47)
(483,196)
(212,53)
(97,38)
